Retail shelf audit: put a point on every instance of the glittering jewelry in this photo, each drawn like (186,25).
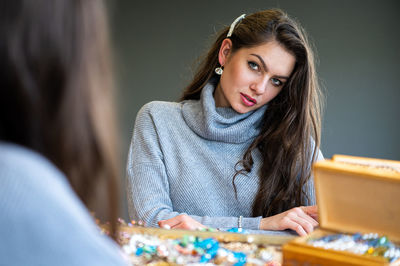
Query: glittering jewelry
(366,244)
(240,221)
(219,70)
(233,25)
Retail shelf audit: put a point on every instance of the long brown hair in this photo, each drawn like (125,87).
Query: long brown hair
(56,89)
(290,134)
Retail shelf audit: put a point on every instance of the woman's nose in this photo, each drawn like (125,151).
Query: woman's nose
(260,86)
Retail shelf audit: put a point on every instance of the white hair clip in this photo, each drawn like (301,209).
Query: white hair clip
(233,25)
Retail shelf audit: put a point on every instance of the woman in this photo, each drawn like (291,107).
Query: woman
(237,150)
(56,139)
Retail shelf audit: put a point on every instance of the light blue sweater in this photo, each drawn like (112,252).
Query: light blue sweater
(182,160)
(42,221)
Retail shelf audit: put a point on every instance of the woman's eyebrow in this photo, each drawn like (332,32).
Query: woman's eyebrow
(265,66)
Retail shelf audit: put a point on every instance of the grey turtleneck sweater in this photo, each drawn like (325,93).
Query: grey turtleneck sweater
(182,160)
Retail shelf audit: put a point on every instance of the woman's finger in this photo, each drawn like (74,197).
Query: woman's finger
(181,222)
(308,213)
(171,223)
(311,211)
(304,223)
(177,226)
(189,224)
(290,224)
(309,219)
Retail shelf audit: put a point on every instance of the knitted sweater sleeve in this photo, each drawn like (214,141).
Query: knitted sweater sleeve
(309,186)
(147,180)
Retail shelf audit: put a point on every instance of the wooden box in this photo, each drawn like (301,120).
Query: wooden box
(354,194)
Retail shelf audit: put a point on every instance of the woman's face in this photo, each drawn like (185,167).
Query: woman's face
(252,76)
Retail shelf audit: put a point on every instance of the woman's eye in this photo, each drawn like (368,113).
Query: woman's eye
(276,82)
(253,66)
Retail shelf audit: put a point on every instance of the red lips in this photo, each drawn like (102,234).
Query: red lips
(247,100)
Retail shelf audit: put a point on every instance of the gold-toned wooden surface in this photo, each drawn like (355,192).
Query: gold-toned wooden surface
(298,252)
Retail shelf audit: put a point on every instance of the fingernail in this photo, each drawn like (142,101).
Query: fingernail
(166,226)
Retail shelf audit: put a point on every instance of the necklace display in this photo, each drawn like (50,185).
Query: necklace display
(366,244)
(145,249)
(150,249)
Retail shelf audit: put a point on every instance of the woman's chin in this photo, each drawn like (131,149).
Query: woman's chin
(241,109)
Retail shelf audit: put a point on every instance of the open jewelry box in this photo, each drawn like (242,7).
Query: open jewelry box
(354,195)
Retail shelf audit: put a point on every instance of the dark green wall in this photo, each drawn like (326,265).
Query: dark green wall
(357,42)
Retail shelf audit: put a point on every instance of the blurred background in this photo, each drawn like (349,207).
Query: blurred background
(156,45)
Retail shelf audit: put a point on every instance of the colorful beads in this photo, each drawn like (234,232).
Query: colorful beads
(237,230)
(366,244)
(143,249)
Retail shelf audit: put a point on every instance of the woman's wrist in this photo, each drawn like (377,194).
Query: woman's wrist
(265,224)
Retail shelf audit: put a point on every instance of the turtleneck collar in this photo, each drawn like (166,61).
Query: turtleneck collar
(220,123)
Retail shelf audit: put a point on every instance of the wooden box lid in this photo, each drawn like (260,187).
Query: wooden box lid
(356,194)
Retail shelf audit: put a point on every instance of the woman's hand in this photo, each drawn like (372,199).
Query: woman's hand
(300,219)
(181,221)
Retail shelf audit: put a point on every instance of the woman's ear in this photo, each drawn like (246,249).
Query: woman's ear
(224,51)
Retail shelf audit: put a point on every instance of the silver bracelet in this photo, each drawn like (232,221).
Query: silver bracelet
(240,221)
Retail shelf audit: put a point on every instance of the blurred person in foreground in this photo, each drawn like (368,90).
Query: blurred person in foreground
(56,133)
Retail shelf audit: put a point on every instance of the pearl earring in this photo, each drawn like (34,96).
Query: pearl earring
(219,70)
